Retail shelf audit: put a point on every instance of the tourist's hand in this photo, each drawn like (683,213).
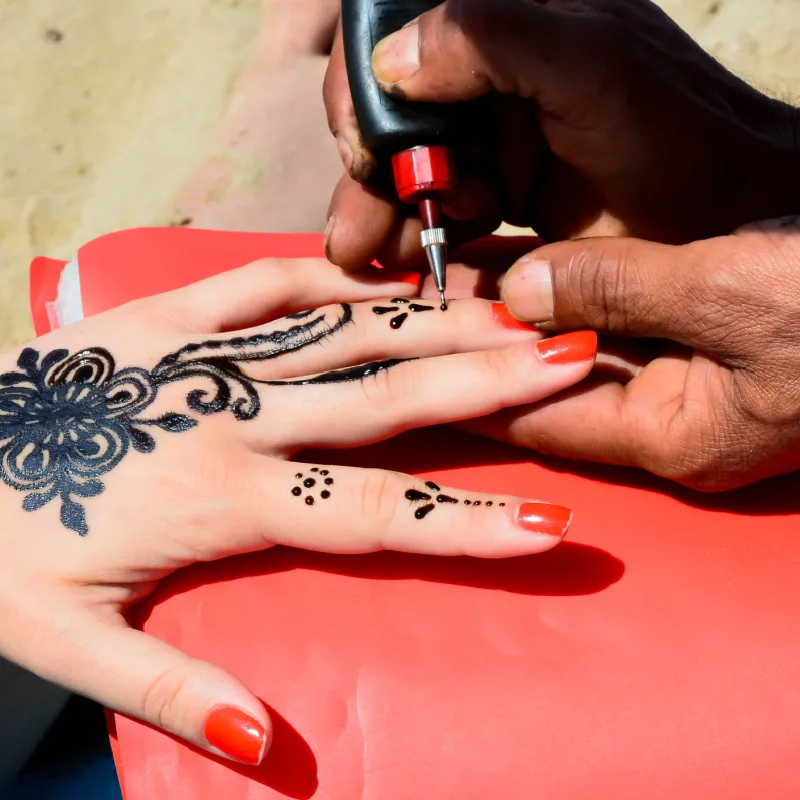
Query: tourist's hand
(161,434)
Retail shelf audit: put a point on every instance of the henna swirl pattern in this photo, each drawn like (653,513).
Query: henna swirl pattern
(67,420)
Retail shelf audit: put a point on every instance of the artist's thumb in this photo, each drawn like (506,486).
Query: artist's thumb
(622,286)
(463,49)
(140,676)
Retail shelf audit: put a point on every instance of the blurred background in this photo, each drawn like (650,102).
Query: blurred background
(107,107)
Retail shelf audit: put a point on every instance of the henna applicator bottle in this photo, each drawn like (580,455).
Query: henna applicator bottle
(418,138)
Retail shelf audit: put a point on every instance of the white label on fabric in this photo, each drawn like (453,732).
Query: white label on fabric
(69,304)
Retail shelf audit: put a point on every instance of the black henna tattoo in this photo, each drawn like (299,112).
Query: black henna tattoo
(401,314)
(67,420)
(424,501)
(310,483)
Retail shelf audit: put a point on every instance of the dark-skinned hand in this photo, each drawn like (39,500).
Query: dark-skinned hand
(599,117)
(712,398)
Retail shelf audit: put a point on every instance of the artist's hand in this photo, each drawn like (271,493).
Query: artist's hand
(719,410)
(603,118)
(154,436)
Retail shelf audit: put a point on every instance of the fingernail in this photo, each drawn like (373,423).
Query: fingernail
(569,348)
(345,153)
(330,225)
(411,278)
(502,316)
(396,58)
(528,290)
(236,734)
(545,519)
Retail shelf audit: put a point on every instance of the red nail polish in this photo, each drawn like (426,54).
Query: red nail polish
(569,348)
(236,734)
(503,317)
(544,518)
(411,278)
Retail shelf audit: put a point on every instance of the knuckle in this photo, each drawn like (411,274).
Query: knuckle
(603,285)
(378,502)
(162,696)
(496,365)
(388,389)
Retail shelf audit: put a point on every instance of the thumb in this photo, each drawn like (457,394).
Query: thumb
(143,677)
(462,49)
(622,286)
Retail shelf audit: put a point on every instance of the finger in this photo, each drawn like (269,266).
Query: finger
(628,287)
(366,224)
(347,510)
(387,328)
(357,160)
(291,27)
(461,50)
(271,288)
(632,425)
(367,404)
(145,678)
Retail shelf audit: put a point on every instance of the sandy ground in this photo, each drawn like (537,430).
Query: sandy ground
(107,107)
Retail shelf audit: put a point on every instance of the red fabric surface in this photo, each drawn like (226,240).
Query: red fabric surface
(653,655)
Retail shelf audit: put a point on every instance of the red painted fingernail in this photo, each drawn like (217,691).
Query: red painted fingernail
(236,734)
(502,316)
(544,518)
(411,278)
(569,348)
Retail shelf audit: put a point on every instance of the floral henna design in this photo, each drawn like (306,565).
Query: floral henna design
(66,420)
(424,501)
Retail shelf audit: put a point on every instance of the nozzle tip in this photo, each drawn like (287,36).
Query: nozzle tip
(444,301)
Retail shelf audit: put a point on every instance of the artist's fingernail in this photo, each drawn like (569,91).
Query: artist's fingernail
(502,316)
(331,224)
(544,519)
(345,153)
(396,58)
(569,348)
(236,734)
(528,290)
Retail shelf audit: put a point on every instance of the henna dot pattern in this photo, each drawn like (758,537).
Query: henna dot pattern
(311,484)
(400,313)
(424,501)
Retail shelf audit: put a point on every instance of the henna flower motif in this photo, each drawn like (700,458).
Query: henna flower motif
(67,421)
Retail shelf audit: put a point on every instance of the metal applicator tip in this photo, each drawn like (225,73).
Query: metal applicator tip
(444,301)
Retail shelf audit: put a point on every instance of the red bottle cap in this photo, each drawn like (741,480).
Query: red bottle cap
(423,170)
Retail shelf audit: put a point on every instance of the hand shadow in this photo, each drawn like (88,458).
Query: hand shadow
(289,767)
